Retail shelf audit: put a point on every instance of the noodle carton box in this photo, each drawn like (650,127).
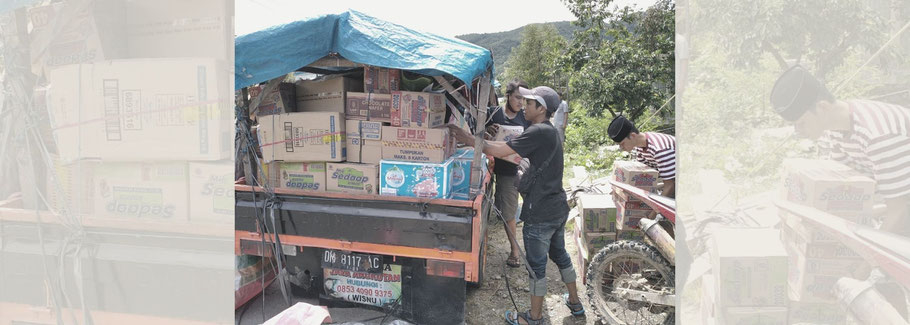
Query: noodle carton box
(423,180)
(635,173)
(828,186)
(296,175)
(352,178)
(417,109)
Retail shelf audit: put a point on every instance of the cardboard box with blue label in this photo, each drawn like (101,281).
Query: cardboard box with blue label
(352,178)
(461,172)
(303,137)
(416,179)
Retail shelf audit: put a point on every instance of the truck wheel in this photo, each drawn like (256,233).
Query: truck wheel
(630,265)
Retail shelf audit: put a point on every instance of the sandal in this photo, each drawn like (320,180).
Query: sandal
(513,261)
(576,309)
(513,318)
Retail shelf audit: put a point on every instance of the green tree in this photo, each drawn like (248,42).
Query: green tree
(536,59)
(621,61)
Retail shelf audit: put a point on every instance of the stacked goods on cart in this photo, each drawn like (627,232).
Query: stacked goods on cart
(817,259)
(595,227)
(630,210)
(362,136)
(749,277)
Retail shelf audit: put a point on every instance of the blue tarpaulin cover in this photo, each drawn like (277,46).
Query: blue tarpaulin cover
(278,50)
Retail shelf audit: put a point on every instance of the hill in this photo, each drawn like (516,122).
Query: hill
(501,43)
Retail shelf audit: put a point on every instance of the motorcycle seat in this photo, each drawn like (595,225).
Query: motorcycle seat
(895,243)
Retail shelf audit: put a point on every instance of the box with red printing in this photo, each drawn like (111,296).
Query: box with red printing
(417,109)
(635,174)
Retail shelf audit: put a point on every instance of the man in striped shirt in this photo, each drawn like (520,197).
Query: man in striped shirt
(657,150)
(869,136)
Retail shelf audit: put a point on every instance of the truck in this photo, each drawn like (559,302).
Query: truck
(417,255)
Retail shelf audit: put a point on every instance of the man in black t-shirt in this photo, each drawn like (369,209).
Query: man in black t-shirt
(506,195)
(544,209)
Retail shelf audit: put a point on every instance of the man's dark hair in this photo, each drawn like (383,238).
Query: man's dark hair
(796,92)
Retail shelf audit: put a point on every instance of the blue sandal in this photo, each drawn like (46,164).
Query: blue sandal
(513,318)
(576,309)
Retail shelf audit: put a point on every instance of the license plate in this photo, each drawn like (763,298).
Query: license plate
(356,262)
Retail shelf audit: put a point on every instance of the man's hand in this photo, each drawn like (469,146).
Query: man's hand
(491,131)
(669,188)
(461,135)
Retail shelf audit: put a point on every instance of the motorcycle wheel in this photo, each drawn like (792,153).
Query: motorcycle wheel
(631,265)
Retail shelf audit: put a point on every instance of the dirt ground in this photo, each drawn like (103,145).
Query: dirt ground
(488,304)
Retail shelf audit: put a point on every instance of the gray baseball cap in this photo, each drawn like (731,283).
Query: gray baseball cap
(546,96)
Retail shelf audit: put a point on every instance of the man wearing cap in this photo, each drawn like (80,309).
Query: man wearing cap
(544,210)
(656,150)
(869,136)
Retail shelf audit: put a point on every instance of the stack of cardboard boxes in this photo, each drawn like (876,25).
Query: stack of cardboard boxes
(629,210)
(749,277)
(363,137)
(817,259)
(595,227)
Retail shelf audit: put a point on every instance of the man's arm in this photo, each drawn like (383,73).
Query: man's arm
(498,149)
(669,189)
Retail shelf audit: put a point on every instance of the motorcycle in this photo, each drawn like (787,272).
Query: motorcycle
(632,281)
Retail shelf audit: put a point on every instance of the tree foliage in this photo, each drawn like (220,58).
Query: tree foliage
(621,61)
(536,59)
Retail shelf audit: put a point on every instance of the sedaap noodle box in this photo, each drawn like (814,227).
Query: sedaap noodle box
(635,173)
(351,178)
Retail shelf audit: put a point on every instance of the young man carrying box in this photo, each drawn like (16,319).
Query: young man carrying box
(657,150)
(545,210)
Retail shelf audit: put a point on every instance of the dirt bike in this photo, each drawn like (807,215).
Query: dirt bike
(888,254)
(632,281)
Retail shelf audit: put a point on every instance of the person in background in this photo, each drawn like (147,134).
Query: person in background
(506,195)
(656,150)
(544,210)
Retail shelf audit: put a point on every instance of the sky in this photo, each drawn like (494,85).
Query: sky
(445,18)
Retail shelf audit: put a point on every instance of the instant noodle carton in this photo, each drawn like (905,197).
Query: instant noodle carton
(417,109)
(352,178)
(635,174)
(297,175)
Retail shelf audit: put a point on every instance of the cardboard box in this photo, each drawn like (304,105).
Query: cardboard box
(417,145)
(461,177)
(423,180)
(177,28)
(832,250)
(598,213)
(93,33)
(367,130)
(71,186)
(352,178)
(353,147)
(371,152)
(791,225)
(326,95)
(753,315)
(297,175)
(829,187)
(750,267)
(303,137)
(418,110)
(212,191)
(381,80)
(142,191)
(279,101)
(116,112)
(507,133)
(811,288)
(817,313)
(628,219)
(366,106)
(635,174)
